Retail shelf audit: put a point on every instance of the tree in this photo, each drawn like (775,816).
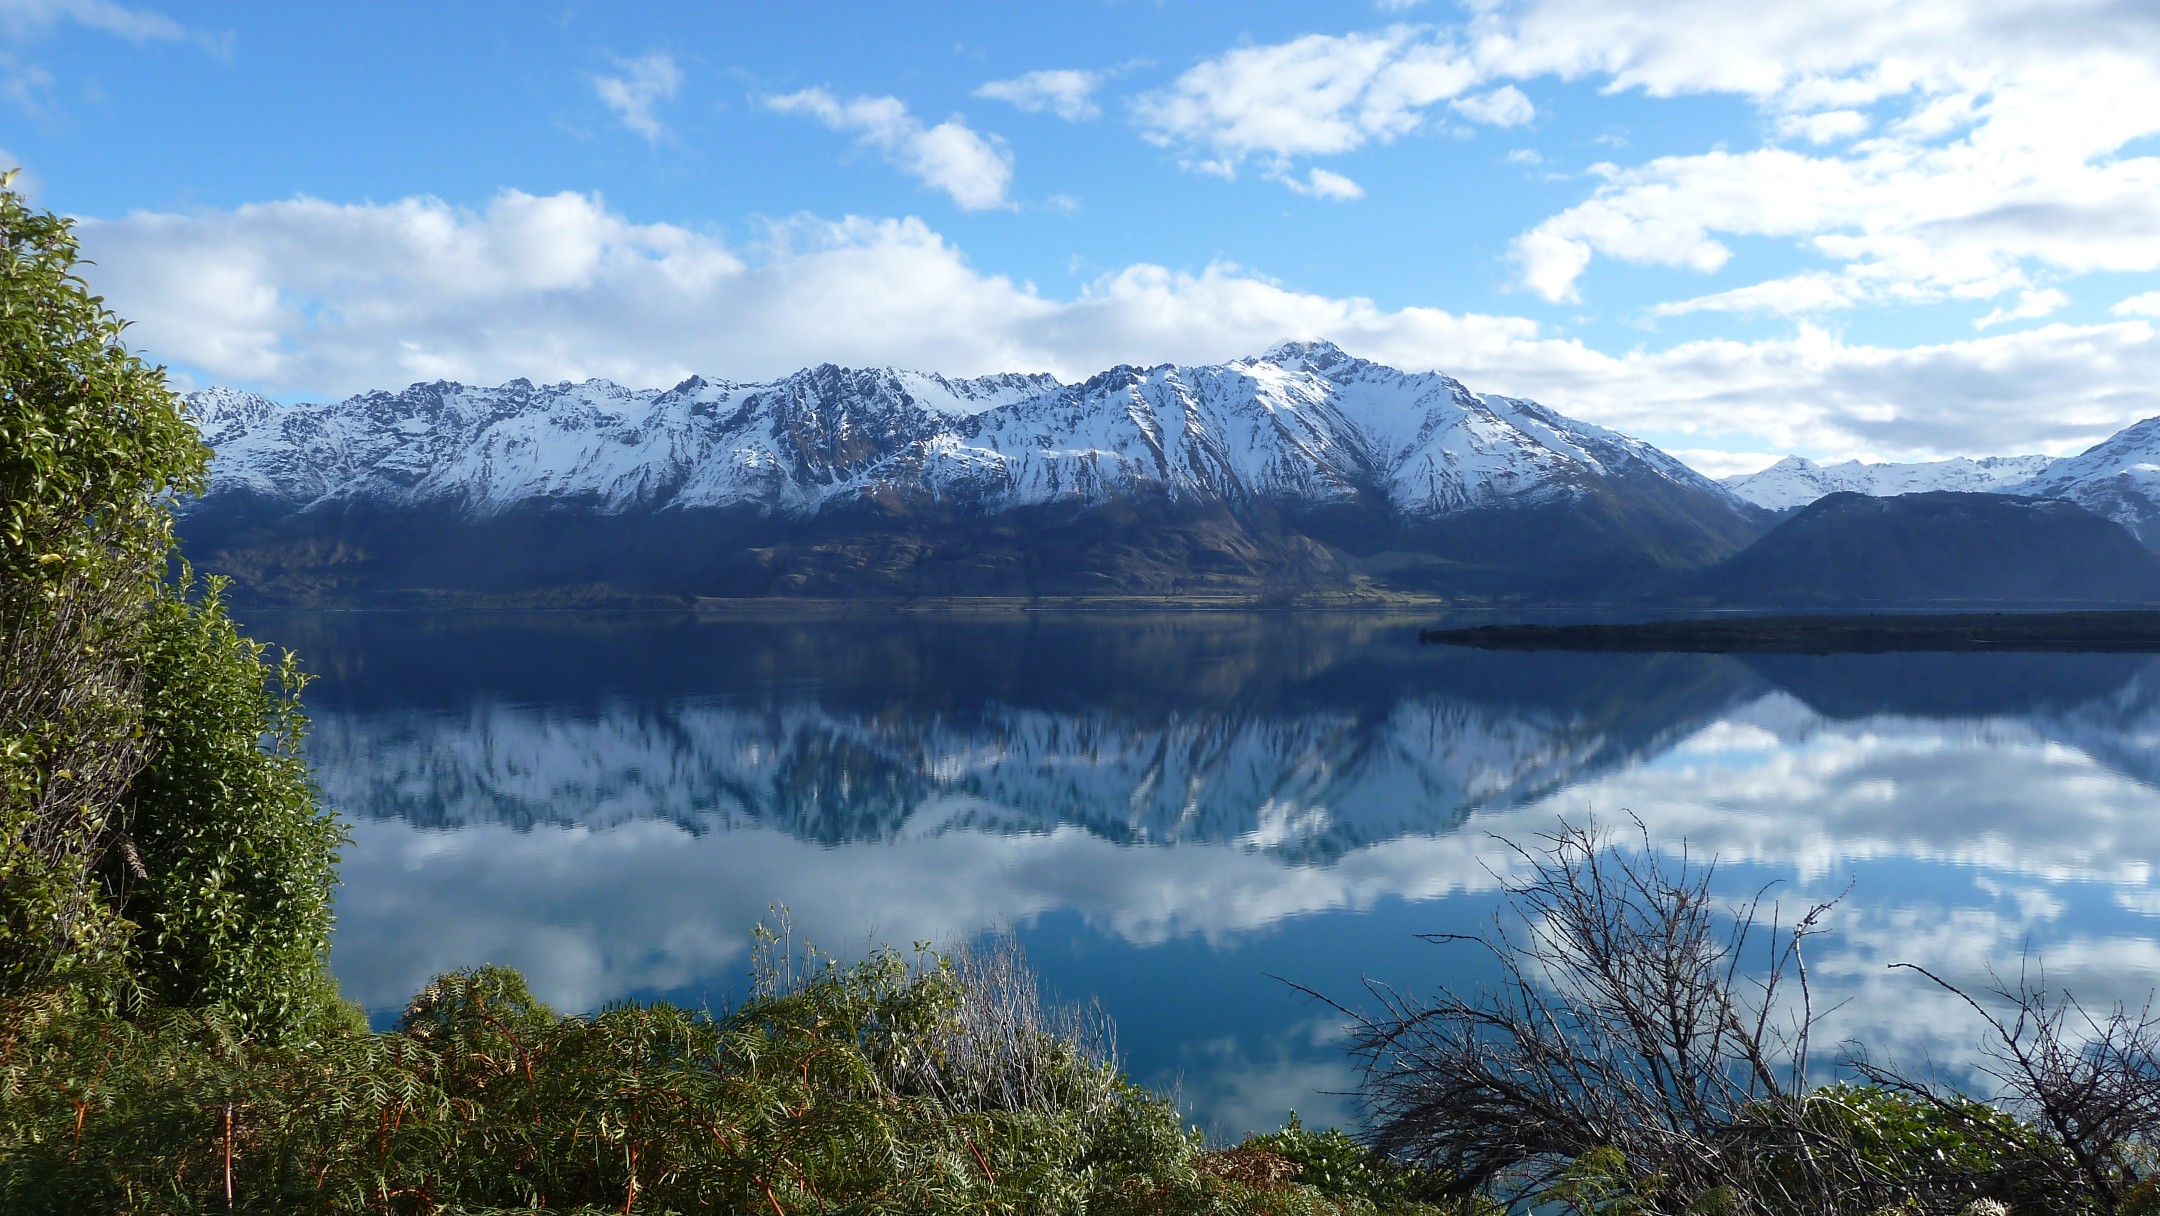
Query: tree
(152,849)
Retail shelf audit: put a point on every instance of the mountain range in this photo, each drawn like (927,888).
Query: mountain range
(1298,470)
(2117,479)
(1296,473)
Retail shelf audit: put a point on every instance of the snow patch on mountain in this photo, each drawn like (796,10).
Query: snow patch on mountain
(1303,422)
(1797,481)
(2117,478)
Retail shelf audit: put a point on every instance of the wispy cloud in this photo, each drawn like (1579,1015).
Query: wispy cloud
(1320,183)
(23,18)
(973,169)
(645,82)
(2030,304)
(27,83)
(1065,92)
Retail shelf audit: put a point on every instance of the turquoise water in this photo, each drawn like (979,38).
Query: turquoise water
(1177,814)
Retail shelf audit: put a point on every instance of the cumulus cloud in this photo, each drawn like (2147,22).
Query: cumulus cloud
(1821,128)
(2146,304)
(1065,92)
(645,82)
(1954,151)
(310,297)
(950,156)
(1502,107)
(1999,151)
(1314,96)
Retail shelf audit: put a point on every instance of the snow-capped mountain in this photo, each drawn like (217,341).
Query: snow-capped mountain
(1299,469)
(1797,481)
(1303,423)
(2118,479)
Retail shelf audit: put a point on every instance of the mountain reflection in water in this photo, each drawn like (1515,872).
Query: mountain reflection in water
(1173,808)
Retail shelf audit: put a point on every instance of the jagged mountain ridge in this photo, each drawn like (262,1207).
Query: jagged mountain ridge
(1303,467)
(1796,481)
(2117,479)
(1304,422)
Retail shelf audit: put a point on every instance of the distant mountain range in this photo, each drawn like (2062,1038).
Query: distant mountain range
(1299,470)
(2118,479)
(1299,473)
(1796,481)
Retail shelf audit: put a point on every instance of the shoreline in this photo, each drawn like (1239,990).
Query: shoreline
(2123,630)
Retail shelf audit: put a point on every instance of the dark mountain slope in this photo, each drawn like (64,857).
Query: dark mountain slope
(1850,550)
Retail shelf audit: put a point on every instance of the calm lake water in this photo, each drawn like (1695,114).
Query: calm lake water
(1173,811)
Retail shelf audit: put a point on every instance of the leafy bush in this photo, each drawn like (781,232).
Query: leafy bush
(239,857)
(161,843)
(1334,1163)
(807,1098)
(91,447)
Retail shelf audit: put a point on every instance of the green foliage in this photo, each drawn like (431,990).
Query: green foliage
(1334,1163)
(161,843)
(91,447)
(1929,1149)
(238,855)
(805,1099)
(90,437)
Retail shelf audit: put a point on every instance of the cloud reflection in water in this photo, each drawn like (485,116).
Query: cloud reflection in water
(1180,784)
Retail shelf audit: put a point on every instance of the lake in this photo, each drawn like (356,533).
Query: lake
(1182,814)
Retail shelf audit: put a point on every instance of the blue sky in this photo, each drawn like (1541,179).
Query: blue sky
(1890,228)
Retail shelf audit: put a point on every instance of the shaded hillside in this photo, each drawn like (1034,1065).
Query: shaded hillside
(1851,550)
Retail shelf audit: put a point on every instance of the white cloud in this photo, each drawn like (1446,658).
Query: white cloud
(2000,150)
(26,83)
(1314,96)
(1955,149)
(950,156)
(24,18)
(1715,462)
(1320,183)
(1065,92)
(305,296)
(1525,156)
(1803,293)
(1822,128)
(1502,107)
(2146,304)
(646,81)
(2030,304)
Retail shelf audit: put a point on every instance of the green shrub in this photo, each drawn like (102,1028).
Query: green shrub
(161,842)
(239,856)
(1334,1163)
(92,445)
(485,1100)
